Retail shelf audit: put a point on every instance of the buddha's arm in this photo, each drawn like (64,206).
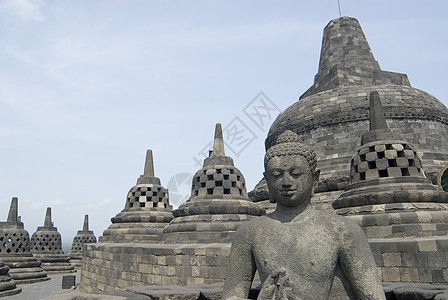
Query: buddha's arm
(358,264)
(241,267)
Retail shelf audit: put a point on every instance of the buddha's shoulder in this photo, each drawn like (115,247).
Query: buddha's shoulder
(325,216)
(254,225)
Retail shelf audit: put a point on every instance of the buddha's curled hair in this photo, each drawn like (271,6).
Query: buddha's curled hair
(288,143)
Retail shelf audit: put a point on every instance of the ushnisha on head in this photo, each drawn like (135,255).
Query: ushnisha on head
(288,143)
(290,171)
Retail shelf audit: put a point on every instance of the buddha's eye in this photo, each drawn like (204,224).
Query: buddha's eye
(296,172)
(275,173)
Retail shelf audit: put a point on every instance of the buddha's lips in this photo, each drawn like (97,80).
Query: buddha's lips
(288,192)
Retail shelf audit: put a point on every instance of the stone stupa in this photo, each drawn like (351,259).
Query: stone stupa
(332,114)
(147,211)
(218,202)
(404,215)
(84,236)
(46,246)
(15,249)
(7,284)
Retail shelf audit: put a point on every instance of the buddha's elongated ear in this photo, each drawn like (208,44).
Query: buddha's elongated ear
(316,176)
(315,180)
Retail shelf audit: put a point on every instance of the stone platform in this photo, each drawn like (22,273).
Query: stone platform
(110,266)
(7,284)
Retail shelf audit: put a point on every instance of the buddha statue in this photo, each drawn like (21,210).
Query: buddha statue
(298,249)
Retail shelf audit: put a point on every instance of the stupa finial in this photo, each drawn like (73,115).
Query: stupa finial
(377,118)
(13,215)
(85,227)
(47,221)
(218,143)
(378,130)
(149,164)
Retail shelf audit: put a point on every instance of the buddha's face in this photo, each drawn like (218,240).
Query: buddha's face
(290,180)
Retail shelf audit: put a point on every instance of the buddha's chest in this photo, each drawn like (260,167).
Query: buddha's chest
(304,250)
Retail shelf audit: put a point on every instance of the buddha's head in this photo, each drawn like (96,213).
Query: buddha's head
(290,171)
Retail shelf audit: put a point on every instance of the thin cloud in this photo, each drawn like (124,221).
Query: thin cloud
(24,10)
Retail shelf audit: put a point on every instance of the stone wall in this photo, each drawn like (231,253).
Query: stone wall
(423,260)
(106,267)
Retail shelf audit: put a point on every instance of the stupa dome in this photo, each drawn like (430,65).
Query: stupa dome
(15,251)
(218,202)
(332,114)
(147,210)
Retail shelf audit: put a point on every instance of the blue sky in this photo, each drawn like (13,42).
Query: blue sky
(87,86)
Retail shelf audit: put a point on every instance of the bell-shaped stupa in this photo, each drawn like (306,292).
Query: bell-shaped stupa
(218,202)
(146,213)
(84,236)
(46,246)
(7,284)
(387,180)
(15,249)
(399,209)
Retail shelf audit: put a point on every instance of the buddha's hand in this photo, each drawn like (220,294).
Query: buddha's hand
(276,286)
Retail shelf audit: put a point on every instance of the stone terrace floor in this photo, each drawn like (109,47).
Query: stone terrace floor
(41,290)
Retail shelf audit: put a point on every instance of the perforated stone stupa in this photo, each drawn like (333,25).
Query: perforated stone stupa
(7,284)
(146,213)
(403,214)
(84,236)
(218,202)
(46,246)
(15,249)
(332,114)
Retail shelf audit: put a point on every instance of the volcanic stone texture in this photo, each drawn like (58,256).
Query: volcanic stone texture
(84,236)
(106,267)
(218,204)
(147,211)
(46,246)
(7,284)
(333,114)
(15,249)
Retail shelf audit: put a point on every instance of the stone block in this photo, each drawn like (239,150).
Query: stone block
(398,147)
(427,245)
(409,217)
(415,259)
(68,281)
(409,275)
(437,276)
(372,174)
(425,274)
(394,172)
(371,156)
(390,154)
(382,164)
(437,260)
(392,260)
(391,274)
(363,166)
(380,148)
(378,259)
(402,162)
(407,246)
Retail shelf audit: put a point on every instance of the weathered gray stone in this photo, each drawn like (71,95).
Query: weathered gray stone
(218,205)
(46,246)
(84,296)
(147,210)
(7,284)
(15,249)
(274,253)
(333,113)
